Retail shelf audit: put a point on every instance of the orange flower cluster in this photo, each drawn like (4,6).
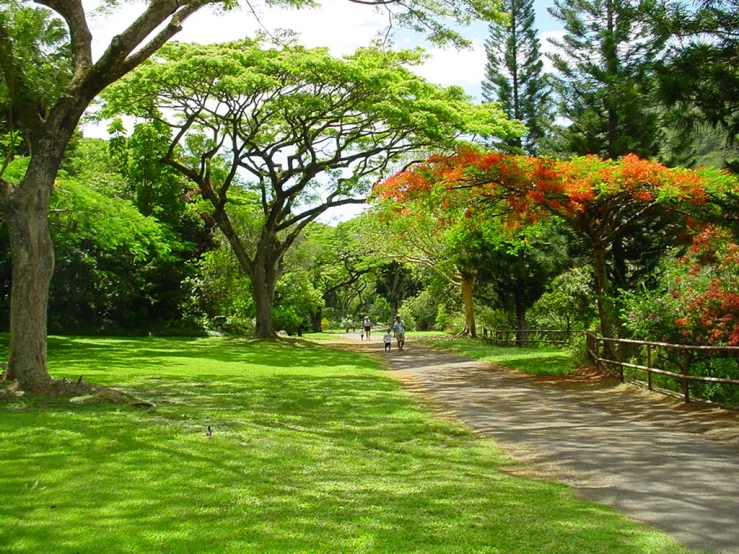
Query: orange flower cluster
(534,186)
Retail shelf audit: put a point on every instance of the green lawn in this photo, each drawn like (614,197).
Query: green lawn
(540,360)
(313,450)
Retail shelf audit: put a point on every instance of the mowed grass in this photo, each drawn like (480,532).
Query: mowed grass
(541,360)
(313,450)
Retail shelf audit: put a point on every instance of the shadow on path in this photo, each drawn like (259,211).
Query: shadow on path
(632,451)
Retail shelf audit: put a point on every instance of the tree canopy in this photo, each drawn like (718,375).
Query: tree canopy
(305,131)
(599,199)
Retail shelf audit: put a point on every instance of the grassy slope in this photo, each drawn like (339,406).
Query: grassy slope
(313,450)
(542,360)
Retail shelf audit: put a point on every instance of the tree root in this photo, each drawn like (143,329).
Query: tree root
(77,392)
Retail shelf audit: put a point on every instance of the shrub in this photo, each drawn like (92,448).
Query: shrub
(697,300)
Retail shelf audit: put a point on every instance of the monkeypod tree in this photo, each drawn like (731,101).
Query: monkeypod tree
(48,81)
(306,131)
(602,200)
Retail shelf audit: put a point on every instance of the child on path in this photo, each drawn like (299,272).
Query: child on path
(388,339)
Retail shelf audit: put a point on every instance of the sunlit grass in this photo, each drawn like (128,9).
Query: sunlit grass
(313,450)
(534,360)
(425,334)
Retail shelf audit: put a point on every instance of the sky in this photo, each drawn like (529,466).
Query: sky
(338,25)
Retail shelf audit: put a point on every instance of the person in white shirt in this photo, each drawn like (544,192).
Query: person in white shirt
(399,330)
(367,326)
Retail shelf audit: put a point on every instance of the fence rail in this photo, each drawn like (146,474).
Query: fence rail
(688,370)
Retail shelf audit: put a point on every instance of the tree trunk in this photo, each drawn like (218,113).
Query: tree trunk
(26,218)
(603,295)
(468,286)
(263,288)
(264,275)
(315,320)
(521,335)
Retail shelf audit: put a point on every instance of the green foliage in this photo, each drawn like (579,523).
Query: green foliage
(157,188)
(41,66)
(89,161)
(107,257)
(699,75)
(312,449)
(296,300)
(513,75)
(311,132)
(107,222)
(219,292)
(569,302)
(490,318)
(448,320)
(100,230)
(604,78)
(419,312)
(697,297)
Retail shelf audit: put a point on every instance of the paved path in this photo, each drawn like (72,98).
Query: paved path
(624,450)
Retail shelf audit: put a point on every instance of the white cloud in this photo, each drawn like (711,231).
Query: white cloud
(547,47)
(464,68)
(337,24)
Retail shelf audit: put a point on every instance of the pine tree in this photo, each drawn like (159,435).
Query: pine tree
(605,77)
(699,75)
(513,74)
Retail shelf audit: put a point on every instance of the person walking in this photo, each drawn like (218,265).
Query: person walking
(367,326)
(399,330)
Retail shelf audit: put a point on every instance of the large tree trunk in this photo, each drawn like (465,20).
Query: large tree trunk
(26,213)
(263,300)
(468,286)
(606,309)
(26,218)
(315,321)
(264,280)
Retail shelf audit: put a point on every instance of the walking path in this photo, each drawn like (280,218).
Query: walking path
(648,457)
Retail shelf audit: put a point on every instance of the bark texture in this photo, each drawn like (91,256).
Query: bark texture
(33,265)
(468,287)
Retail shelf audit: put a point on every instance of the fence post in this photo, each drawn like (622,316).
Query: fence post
(649,366)
(685,370)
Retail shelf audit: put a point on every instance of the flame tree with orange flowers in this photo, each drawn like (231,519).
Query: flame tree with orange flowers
(601,200)
(435,231)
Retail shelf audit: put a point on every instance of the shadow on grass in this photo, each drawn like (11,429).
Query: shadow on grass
(102,357)
(297,463)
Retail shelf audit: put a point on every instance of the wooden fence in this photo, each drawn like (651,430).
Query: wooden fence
(705,372)
(528,336)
